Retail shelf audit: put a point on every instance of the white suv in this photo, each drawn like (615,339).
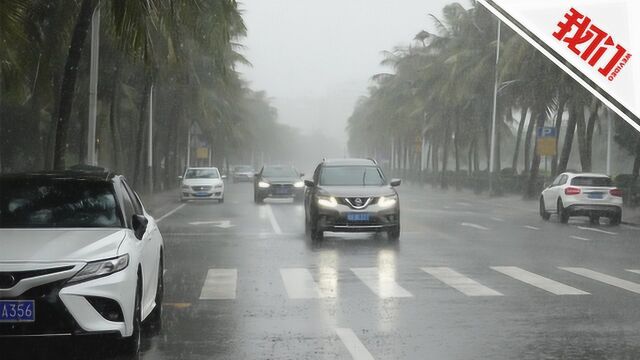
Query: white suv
(80,255)
(586,194)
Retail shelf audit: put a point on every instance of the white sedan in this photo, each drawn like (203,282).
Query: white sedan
(582,194)
(201,184)
(80,255)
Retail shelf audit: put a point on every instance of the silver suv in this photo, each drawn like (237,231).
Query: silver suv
(351,195)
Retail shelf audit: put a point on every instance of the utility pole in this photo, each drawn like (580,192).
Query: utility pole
(494,115)
(150,145)
(189,147)
(609,139)
(93,87)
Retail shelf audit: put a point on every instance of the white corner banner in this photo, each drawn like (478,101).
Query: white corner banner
(597,42)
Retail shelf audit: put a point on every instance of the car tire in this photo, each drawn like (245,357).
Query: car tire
(314,232)
(563,214)
(544,214)
(131,345)
(221,200)
(155,318)
(257,198)
(394,233)
(615,219)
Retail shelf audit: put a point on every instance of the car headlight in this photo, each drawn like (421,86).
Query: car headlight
(387,201)
(263,184)
(96,269)
(219,186)
(329,202)
(299,184)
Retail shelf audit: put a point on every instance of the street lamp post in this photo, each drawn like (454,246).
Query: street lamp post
(494,115)
(93,87)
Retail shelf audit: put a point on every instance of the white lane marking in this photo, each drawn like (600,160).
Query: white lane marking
(538,281)
(597,230)
(475,226)
(170,212)
(531,227)
(463,204)
(634,271)
(225,224)
(272,219)
(580,238)
(300,284)
(460,282)
(497,219)
(220,284)
(604,278)
(355,347)
(210,234)
(382,284)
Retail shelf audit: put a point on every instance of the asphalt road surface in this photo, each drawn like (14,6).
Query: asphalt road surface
(470,278)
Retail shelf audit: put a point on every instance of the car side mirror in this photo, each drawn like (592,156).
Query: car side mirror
(139,223)
(309,183)
(179,177)
(395,182)
(224,176)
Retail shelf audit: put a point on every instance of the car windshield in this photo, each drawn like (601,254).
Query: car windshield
(279,171)
(202,174)
(592,181)
(351,176)
(38,203)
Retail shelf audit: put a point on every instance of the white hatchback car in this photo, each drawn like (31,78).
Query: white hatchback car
(586,194)
(202,183)
(79,256)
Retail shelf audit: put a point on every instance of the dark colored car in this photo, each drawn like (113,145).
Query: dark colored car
(351,195)
(278,181)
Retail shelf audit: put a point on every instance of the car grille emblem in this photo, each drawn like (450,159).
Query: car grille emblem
(358,201)
(7,281)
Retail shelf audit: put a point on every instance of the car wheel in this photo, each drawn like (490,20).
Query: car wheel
(543,211)
(155,318)
(257,198)
(615,219)
(394,233)
(563,214)
(221,201)
(131,345)
(315,233)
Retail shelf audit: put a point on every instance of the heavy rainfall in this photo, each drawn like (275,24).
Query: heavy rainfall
(281,179)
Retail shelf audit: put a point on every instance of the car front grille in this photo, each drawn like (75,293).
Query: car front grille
(356,202)
(9,279)
(281,188)
(201,188)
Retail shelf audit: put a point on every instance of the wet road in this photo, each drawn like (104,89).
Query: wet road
(471,278)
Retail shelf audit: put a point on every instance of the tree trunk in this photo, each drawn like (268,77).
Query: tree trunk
(68,86)
(568,140)
(113,119)
(593,118)
(531,191)
(516,153)
(456,147)
(562,100)
(636,164)
(445,156)
(581,127)
(527,140)
(470,157)
(138,170)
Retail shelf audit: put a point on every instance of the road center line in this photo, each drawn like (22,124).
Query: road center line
(604,278)
(220,284)
(355,347)
(597,230)
(381,283)
(538,281)
(531,227)
(300,284)
(580,238)
(460,282)
(272,219)
(475,226)
(170,212)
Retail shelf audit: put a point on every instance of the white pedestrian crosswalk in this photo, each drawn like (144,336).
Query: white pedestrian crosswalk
(299,283)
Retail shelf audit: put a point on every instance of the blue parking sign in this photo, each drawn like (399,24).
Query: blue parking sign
(546,132)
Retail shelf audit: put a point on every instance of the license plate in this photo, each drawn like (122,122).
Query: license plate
(595,195)
(358,217)
(202,194)
(284,191)
(17,311)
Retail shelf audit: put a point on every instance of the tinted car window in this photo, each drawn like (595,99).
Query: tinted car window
(137,205)
(592,181)
(279,171)
(202,174)
(57,203)
(351,176)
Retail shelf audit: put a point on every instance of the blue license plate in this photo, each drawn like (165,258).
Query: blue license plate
(202,194)
(595,195)
(17,311)
(282,191)
(358,217)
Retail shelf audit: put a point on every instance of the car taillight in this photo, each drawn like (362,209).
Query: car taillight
(616,192)
(571,191)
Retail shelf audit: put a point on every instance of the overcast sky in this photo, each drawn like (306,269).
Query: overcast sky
(315,57)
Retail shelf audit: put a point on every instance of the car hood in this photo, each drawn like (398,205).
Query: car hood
(59,244)
(201,182)
(357,191)
(279,180)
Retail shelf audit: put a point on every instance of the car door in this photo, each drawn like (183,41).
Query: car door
(549,194)
(149,250)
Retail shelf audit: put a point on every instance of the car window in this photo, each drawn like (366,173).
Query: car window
(135,201)
(279,171)
(57,203)
(351,176)
(592,181)
(202,174)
